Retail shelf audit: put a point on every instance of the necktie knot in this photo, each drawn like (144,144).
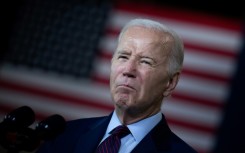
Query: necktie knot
(120,131)
(112,143)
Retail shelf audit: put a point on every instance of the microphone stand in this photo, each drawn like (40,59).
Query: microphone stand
(24,139)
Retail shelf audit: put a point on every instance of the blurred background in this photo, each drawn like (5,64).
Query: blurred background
(55,58)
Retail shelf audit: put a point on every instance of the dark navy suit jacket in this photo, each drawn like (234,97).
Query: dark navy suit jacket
(84,135)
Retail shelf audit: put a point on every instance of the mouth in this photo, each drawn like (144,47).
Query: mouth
(126,86)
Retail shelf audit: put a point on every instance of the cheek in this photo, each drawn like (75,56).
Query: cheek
(152,81)
(145,80)
(115,71)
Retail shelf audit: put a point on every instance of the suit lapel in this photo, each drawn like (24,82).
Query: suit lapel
(157,140)
(90,140)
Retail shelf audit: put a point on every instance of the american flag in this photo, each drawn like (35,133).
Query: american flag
(195,109)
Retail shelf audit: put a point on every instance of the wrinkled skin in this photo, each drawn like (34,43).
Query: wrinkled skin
(139,77)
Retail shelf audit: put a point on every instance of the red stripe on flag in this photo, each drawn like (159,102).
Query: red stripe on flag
(101,80)
(203,128)
(104,54)
(53,95)
(194,99)
(185,16)
(212,51)
(207,76)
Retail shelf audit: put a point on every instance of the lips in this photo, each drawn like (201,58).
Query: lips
(126,86)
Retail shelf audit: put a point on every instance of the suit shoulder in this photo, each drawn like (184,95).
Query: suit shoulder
(181,146)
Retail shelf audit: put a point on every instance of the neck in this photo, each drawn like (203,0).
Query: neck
(127,117)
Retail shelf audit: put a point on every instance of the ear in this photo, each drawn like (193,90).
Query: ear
(172,82)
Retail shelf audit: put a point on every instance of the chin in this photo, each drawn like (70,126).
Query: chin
(121,103)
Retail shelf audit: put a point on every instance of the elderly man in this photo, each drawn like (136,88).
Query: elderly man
(145,69)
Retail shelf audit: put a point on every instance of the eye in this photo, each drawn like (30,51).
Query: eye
(122,56)
(147,62)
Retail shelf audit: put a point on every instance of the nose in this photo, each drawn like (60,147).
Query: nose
(130,68)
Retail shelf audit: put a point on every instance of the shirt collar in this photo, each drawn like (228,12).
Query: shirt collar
(138,129)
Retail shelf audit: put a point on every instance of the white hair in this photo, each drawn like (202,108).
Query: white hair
(176,56)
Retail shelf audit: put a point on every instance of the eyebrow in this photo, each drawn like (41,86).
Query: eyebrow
(123,52)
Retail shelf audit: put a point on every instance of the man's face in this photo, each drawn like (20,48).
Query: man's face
(139,68)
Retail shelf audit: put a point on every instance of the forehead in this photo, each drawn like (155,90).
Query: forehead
(144,33)
(145,40)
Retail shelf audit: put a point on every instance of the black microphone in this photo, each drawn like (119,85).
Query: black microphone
(18,118)
(50,127)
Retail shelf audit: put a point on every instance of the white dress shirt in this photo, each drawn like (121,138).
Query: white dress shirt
(138,131)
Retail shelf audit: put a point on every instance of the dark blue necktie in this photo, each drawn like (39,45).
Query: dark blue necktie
(112,143)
